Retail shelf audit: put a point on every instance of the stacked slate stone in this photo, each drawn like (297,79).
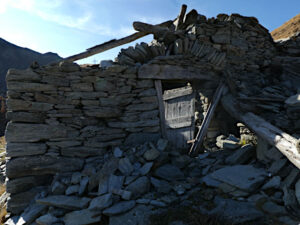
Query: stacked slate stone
(66,120)
(290,46)
(241,51)
(60,115)
(128,185)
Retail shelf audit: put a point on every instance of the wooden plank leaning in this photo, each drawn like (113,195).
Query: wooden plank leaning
(285,143)
(204,126)
(113,43)
(161,107)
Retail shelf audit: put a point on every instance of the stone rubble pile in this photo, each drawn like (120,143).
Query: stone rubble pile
(149,178)
(261,73)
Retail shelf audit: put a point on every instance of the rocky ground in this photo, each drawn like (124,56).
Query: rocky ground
(157,184)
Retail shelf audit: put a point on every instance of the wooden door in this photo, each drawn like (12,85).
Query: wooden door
(179,105)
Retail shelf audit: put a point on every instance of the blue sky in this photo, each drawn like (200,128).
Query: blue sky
(69,27)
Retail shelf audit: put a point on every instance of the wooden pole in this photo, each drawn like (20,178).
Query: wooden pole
(285,143)
(105,46)
(210,112)
(161,108)
(113,43)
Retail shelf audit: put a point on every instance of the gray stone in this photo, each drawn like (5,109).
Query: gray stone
(151,154)
(162,144)
(297,191)
(291,178)
(115,182)
(125,166)
(64,144)
(103,185)
(58,188)
(22,184)
(139,186)
(47,219)
(177,222)
(293,100)
(104,85)
(261,149)
(76,177)
(73,189)
(21,105)
(145,123)
(241,156)
(118,153)
(65,66)
(119,208)
(271,207)
(105,63)
(289,198)
(181,161)
(244,177)
(31,213)
(66,202)
(30,87)
(82,217)
(273,183)
(221,38)
(104,112)
(161,186)
(23,166)
(22,132)
(157,203)
(28,117)
(83,185)
(169,172)
(136,216)
(19,201)
(82,151)
(22,75)
(141,138)
(148,92)
(236,212)
(145,169)
(109,167)
(277,165)
(273,154)
(101,202)
(143,201)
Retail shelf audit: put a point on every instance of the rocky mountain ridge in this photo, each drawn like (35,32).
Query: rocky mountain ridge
(13,56)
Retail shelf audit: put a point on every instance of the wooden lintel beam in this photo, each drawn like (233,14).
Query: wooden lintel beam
(172,72)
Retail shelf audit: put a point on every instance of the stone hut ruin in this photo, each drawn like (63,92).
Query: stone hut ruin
(162,122)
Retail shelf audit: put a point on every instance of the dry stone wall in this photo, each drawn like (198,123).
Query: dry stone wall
(60,116)
(64,118)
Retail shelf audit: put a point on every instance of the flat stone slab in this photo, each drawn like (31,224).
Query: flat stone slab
(245,177)
(82,217)
(23,132)
(119,208)
(101,202)
(169,172)
(235,211)
(66,202)
(23,166)
(24,149)
(136,216)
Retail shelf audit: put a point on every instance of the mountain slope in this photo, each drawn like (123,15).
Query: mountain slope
(288,29)
(13,56)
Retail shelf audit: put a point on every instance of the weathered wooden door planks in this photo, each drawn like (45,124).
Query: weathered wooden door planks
(179,106)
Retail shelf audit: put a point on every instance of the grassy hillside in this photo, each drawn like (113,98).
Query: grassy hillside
(288,29)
